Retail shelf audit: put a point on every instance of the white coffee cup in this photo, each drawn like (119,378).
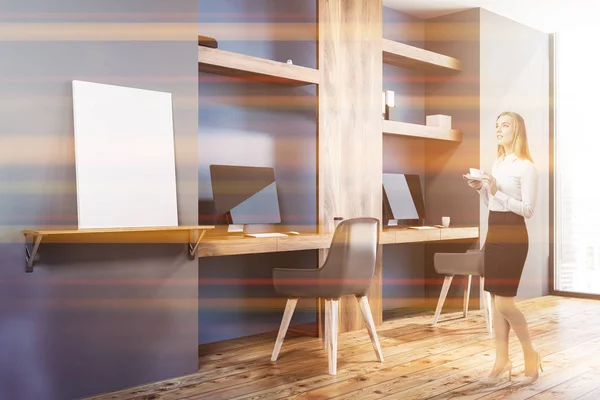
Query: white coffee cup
(476,173)
(445,222)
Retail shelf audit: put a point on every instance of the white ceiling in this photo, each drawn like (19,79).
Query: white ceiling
(544,15)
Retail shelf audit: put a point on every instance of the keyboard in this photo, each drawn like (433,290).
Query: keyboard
(265,235)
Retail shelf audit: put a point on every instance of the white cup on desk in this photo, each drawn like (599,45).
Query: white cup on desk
(445,222)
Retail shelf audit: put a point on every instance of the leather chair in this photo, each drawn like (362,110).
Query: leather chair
(467,264)
(348,270)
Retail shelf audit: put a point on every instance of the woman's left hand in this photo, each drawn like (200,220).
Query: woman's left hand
(491,181)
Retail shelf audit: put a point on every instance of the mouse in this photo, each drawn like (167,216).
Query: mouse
(292,233)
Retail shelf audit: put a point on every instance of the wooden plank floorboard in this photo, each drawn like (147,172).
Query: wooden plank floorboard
(408,354)
(594,394)
(464,389)
(571,388)
(432,369)
(452,387)
(420,361)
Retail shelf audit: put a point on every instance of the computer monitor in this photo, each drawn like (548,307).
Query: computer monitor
(245,195)
(402,197)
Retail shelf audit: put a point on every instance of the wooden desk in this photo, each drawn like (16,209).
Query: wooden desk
(231,245)
(225,246)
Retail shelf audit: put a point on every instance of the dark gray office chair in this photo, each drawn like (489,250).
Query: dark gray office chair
(467,264)
(347,270)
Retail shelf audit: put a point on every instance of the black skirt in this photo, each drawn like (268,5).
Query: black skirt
(505,252)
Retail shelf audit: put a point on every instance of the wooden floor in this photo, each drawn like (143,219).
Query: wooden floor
(421,362)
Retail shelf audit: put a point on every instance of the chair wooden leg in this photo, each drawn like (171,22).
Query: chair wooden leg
(326,330)
(368,317)
(332,321)
(486,304)
(482,303)
(442,299)
(467,294)
(290,306)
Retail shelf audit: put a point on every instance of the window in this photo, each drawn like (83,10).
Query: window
(576,154)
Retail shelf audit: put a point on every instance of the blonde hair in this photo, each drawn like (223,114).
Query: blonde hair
(520,146)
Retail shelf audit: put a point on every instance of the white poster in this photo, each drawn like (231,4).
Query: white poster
(124,156)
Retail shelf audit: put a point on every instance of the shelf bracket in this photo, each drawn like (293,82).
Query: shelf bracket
(30,255)
(195,243)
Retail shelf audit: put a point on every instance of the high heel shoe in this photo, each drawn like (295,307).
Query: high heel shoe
(494,380)
(528,380)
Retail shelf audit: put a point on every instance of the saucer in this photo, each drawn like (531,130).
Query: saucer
(475,178)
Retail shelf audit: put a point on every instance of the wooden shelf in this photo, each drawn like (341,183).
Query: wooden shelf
(226,63)
(423,131)
(167,234)
(403,55)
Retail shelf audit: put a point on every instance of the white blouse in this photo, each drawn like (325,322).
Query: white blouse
(516,182)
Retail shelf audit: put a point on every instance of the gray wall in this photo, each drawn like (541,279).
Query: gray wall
(257,124)
(505,67)
(91,318)
(514,77)
(403,271)
(455,94)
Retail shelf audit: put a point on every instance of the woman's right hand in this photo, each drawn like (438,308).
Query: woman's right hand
(475,184)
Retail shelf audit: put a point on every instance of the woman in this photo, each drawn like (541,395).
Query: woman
(510,194)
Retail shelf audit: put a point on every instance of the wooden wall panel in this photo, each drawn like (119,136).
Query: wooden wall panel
(349,138)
